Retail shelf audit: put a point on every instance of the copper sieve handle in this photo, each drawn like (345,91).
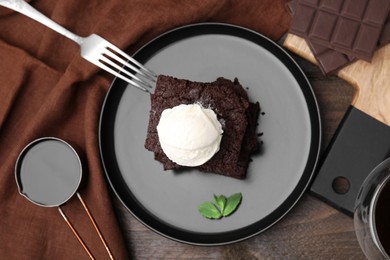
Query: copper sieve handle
(75,233)
(94,225)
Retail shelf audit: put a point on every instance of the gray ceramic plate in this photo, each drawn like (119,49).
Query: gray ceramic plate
(166,201)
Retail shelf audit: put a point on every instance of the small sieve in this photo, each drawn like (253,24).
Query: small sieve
(48,173)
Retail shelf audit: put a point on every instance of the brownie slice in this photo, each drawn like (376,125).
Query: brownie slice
(229,101)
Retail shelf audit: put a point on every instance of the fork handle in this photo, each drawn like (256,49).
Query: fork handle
(26,9)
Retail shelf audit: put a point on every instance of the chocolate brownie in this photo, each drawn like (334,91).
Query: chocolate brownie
(229,101)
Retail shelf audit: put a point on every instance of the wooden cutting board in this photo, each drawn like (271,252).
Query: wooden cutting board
(363,138)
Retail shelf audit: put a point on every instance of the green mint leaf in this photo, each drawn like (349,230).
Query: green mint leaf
(209,210)
(231,204)
(221,202)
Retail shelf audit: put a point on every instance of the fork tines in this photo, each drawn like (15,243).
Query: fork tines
(118,63)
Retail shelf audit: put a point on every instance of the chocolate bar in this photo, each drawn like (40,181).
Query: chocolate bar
(385,35)
(291,6)
(329,59)
(352,27)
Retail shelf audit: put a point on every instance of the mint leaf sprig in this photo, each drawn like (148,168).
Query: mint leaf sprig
(223,206)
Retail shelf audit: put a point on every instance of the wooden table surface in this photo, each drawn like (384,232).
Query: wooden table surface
(311,230)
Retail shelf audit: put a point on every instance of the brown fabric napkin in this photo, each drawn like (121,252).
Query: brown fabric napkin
(47,89)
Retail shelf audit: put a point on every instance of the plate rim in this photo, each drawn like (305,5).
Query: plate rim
(228,237)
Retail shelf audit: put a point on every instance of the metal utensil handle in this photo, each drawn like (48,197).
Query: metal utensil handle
(95,226)
(75,233)
(26,9)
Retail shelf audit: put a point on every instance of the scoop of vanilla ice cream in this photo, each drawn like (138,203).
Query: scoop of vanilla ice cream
(189,134)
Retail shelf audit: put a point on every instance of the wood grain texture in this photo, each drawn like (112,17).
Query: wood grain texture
(311,230)
(370,79)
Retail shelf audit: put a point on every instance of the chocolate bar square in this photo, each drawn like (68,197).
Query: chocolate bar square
(354,9)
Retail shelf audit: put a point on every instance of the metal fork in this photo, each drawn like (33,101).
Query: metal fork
(95,49)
